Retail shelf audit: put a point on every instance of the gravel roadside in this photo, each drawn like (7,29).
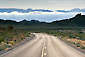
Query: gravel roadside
(81,50)
(26,40)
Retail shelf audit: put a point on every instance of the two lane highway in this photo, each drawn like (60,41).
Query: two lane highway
(43,45)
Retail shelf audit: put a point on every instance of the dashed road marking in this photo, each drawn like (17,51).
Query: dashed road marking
(43,50)
(44,54)
(45,47)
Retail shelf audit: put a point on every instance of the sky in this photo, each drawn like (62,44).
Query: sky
(43,4)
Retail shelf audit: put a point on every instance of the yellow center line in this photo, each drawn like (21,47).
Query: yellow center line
(43,49)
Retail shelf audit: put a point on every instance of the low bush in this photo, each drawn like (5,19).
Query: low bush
(3,46)
(83,47)
(1,40)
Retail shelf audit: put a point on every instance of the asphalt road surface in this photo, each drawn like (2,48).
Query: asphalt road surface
(44,45)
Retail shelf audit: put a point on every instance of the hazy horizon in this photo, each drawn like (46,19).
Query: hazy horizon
(40,17)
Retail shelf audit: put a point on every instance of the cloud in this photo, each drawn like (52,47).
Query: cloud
(75,10)
(30,13)
(66,2)
(12,2)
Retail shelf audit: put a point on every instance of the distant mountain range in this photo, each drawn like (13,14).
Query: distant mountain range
(9,10)
(77,21)
(72,10)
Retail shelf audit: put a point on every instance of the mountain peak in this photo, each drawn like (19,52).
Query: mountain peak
(78,15)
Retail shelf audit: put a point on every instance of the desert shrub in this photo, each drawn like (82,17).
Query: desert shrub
(83,47)
(3,46)
(80,32)
(28,36)
(9,46)
(28,33)
(15,40)
(74,43)
(55,35)
(7,42)
(12,43)
(1,40)
(70,36)
(78,45)
(10,28)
